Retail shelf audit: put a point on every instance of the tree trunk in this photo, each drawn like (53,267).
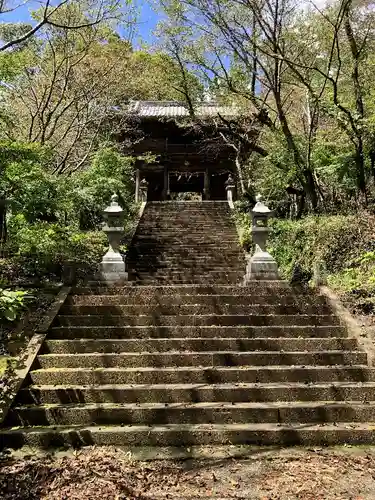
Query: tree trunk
(240,175)
(307,177)
(310,188)
(360,168)
(3,222)
(356,55)
(372,160)
(300,206)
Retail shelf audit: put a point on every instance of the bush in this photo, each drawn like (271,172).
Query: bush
(11,303)
(346,245)
(243,224)
(44,249)
(339,241)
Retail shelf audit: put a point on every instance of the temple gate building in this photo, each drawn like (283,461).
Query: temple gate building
(191,157)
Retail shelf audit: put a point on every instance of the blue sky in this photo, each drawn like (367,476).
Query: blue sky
(147,22)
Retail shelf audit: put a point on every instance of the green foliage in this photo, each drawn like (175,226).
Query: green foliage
(90,191)
(335,240)
(45,249)
(11,303)
(25,183)
(243,224)
(56,220)
(345,244)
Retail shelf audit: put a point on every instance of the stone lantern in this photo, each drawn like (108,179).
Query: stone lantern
(261,265)
(112,266)
(143,189)
(230,187)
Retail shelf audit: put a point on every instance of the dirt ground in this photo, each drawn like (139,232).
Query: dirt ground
(110,474)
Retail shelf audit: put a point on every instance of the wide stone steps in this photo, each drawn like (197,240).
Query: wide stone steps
(192,356)
(194,393)
(180,231)
(199,359)
(203,375)
(192,413)
(203,332)
(237,345)
(192,434)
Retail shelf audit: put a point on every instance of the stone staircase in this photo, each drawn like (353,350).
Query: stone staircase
(186,242)
(194,364)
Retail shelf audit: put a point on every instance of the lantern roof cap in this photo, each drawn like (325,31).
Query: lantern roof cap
(114,207)
(260,207)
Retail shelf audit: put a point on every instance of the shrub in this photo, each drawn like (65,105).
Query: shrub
(11,303)
(44,249)
(345,244)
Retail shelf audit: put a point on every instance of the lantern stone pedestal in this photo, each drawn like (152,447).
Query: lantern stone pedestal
(261,265)
(112,267)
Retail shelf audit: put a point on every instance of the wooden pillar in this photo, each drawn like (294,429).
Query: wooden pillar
(137,181)
(206,189)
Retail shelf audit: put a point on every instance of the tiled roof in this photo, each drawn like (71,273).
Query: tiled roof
(175,109)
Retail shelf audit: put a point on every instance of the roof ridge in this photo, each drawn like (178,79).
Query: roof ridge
(174,109)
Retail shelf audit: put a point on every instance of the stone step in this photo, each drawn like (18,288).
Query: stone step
(197,270)
(209,233)
(183,271)
(180,271)
(171,258)
(191,413)
(169,213)
(157,232)
(180,243)
(178,224)
(171,255)
(197,359)
(191,434)
(192,250)
(209,205)
(198,300)
(204,261)
(183,281)
(194,393)
(182,248)
(194,309)
(154,331)
(257,288)
(147,262)
(199,320)
(203,375)
(200,345)
(182,222)
(204,211)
